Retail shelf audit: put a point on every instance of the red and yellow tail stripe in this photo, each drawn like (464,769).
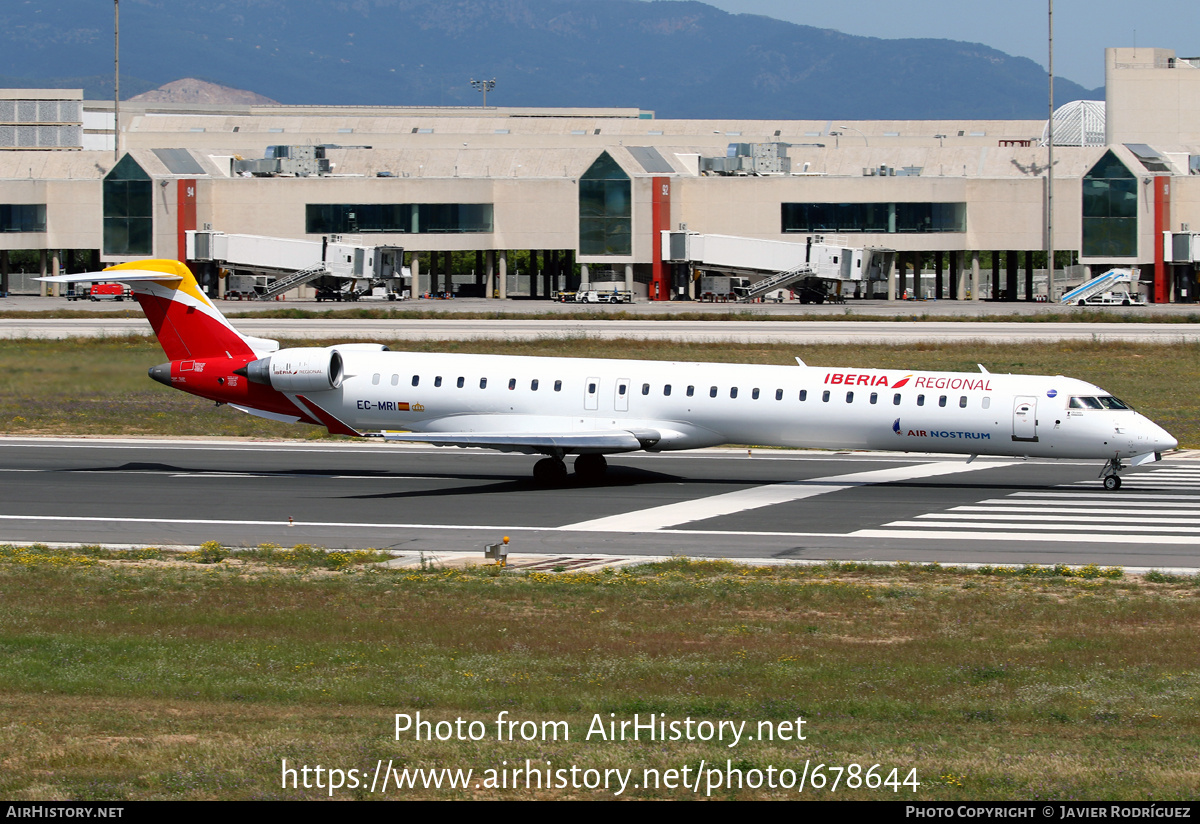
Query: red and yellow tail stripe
(185,321)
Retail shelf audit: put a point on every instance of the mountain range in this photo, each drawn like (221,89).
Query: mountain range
(680,59)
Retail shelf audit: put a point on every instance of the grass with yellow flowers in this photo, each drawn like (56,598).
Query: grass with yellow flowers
(157,675)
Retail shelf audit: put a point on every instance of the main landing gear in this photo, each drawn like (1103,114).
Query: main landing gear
(553,471)
(550,472)
(590,468)
(1112,480)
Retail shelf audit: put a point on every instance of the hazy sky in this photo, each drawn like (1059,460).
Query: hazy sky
(1082,28)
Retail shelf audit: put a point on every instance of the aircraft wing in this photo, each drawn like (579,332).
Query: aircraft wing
(622,440)
(530,441)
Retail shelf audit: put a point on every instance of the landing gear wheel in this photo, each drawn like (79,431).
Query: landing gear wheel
(590,468)
(550,472)
(1112,482)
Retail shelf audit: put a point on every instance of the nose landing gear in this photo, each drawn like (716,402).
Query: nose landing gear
(1112,480)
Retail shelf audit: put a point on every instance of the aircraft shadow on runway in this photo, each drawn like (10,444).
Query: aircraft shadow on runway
(172,469)
(618,476)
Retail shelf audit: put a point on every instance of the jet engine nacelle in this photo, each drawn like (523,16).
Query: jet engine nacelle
(308,369)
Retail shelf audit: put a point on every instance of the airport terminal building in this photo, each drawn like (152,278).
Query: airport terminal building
(526,202)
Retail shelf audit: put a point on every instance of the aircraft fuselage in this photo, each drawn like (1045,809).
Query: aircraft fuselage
(694,405)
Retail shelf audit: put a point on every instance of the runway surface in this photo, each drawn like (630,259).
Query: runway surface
(768,504)
(795,332)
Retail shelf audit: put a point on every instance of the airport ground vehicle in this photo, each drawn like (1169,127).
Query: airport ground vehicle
(101,291)
(596,296)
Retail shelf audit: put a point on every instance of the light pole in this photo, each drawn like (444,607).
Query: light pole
(484,86)
(860,131)
(1050,170)
(116,79)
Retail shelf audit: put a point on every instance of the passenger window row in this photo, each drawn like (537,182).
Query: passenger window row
(461,382)
(755,393)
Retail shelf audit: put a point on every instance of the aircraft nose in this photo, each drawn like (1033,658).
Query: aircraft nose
(1163,440)
(1168,441)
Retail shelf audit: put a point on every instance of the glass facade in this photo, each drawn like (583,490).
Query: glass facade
(605,209)
(22,217)
(876,218)
(397,218)
(1110,202)
(128,210)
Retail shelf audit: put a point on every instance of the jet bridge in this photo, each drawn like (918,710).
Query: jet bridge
(270,266)
(819,268)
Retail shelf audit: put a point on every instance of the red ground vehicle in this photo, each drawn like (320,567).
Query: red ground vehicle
(101,291)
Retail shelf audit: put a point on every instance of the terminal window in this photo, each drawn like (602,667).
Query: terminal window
(22,217)
(1110,202)
(128,210)
(397,218)
(605,209)
(875,218)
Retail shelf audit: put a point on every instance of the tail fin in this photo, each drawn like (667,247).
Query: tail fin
(185,321)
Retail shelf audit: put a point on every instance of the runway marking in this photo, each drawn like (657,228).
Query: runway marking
(1041,537)
(901,533)
(299,475)
(659,517)
(232,522)
(1058,516)
(954,514)
(923,524)
(1166,477)
(1065,510)
(1141,498)
(360,525)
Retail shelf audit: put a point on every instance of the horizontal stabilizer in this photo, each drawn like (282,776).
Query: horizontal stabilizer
(110,276)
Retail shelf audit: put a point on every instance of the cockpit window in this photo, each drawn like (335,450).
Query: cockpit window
(1102,402)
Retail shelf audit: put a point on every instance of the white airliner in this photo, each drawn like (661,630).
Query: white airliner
(588,408)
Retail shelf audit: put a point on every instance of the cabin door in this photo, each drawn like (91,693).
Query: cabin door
(1025,418)
(591,394)
(621,399)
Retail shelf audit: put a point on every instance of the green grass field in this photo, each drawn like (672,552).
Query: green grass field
(153,677)
(100,387)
